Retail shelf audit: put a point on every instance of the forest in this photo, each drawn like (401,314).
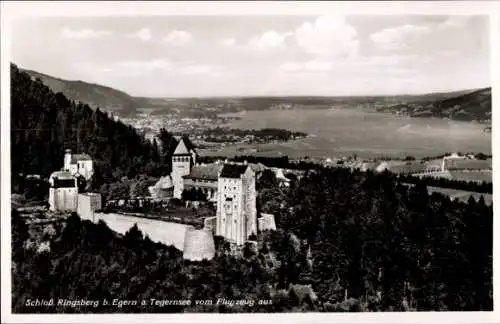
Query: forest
(44,124)
(375,245)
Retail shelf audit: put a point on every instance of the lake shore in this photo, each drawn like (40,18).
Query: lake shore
(367,134)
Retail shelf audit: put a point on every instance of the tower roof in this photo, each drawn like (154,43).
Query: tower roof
(233,171)
(184,146)
(181,148)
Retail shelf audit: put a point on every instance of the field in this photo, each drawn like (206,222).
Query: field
(479,176)
(461,194)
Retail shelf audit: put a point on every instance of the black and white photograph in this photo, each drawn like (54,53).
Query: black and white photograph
(299,162)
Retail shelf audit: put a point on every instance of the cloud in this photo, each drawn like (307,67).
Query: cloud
(454,22)
(197,69)
(314,65)
(317,65)
(83,33)
(291,66)
(268,40)
(327,36)
(178,38)
(360,65)
(228,42)
(399,37)
(144,66)
(143,34)
(448,52)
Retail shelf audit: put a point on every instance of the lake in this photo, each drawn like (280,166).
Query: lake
(345,131)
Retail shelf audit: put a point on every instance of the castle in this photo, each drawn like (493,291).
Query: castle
(63,191)
(230,185)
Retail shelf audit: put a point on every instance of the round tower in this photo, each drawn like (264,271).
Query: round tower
(198,245)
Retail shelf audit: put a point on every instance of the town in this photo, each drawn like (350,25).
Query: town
(207,132)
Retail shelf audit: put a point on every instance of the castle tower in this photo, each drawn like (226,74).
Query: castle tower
(236,203)
(63,191)
(182,161)
(67,160)
(198,245)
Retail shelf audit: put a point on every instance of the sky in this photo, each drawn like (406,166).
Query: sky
(331,55)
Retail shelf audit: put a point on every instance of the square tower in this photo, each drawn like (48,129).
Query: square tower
(63,191)
(236,204)
(182,161)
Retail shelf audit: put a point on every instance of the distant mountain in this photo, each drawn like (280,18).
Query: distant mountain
(468,105)
(471,105)
(95,95)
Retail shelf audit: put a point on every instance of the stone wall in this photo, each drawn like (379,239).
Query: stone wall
(167,233)
(88,203)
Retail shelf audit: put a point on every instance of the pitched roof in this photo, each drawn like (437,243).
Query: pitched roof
(181,148)
(257,167)
(233,170)
(80,157)
(189,145)
(207,172)
(62,175)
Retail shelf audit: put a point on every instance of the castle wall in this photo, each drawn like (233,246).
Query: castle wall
(198,245)
(63,199)
(167,233)
(267,222)
(88,204)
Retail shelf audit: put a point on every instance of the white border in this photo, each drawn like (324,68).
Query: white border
(12,9)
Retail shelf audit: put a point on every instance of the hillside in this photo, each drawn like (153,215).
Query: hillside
(474,105)
(44,124)
(95,95)
(467,105)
